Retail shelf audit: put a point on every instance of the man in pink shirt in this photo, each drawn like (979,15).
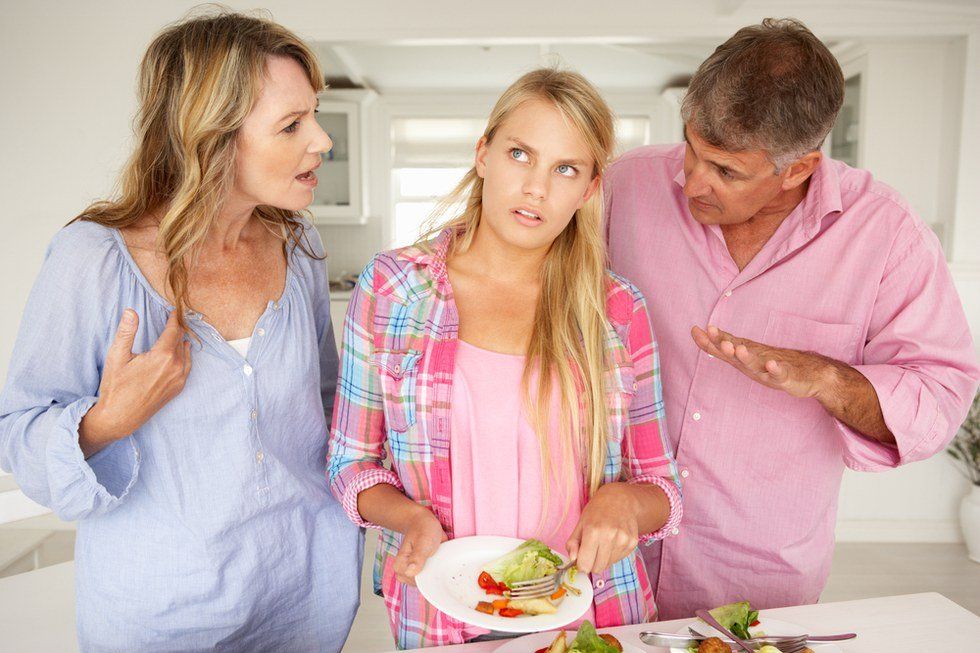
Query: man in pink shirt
(806,317)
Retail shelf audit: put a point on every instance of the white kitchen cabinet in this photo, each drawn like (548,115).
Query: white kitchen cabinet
(341,192)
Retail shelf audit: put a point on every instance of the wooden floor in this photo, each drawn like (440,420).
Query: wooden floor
(859,571)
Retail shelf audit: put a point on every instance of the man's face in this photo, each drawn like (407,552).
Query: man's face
(727,188)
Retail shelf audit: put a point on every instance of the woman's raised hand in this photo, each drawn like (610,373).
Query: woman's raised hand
(135,386)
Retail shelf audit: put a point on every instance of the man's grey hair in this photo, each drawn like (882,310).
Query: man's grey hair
(773,86)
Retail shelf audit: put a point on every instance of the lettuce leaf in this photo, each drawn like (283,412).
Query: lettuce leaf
(530,561)
(588,641)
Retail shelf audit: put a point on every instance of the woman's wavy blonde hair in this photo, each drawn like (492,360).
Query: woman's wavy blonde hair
(198,81)
(570,323)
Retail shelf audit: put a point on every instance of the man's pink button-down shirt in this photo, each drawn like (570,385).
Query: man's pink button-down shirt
(852,273)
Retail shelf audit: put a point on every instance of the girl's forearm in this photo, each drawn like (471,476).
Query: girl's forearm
(388,507)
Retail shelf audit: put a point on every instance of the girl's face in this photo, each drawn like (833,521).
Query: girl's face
(537,172)
(280,143)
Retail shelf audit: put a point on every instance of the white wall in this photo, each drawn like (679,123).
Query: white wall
(67,72)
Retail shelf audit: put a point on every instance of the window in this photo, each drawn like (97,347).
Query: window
(417,192)
(429,157)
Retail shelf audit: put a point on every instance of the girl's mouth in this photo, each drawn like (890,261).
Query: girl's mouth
(527,218)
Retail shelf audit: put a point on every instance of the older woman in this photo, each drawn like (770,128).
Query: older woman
(168,385)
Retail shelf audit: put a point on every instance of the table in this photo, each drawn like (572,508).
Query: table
(892,624)
(37,613)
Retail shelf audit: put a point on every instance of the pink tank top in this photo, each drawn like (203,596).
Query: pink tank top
(498,486)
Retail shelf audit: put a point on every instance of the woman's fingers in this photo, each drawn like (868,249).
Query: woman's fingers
(170,337)
(121,350)
(187,362)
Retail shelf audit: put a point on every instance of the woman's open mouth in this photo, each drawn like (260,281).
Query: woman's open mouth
(308,178)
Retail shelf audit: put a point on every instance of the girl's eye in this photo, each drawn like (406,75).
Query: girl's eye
(293,127)
(567,170)
(518,154)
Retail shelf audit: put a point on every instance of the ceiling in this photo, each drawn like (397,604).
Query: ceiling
(388,67)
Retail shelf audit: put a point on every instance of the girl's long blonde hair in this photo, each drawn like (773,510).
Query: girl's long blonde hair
(570,325)
(198,81)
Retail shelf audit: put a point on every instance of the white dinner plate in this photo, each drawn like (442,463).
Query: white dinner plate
(449,582)
(531,643)
(773,627)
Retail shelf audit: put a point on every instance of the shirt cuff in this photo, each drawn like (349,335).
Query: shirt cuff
(670,527)
(914,418)
(83,488)
(366,479)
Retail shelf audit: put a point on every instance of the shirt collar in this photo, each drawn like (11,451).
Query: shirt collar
(430,254)
(822,197)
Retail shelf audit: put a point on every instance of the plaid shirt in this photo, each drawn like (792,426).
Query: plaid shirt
(395,390)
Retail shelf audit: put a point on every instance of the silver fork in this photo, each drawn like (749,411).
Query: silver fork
(785,643)
(540,587)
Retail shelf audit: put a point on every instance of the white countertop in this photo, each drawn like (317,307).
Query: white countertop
(892,624)
(37,613)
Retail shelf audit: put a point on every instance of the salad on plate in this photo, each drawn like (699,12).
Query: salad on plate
(531,560)
(740,619)
(587,640)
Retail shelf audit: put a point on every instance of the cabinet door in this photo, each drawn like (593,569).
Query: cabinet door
(338,197)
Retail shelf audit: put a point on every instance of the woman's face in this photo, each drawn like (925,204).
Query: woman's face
(537,172)
(280,143)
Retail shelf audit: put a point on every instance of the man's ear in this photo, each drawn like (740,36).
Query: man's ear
(479,161)
(801,169)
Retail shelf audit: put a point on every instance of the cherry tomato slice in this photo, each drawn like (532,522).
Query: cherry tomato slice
(486,581)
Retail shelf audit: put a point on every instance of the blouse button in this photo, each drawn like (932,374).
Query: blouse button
(685,473)
(261,332)
(600,583)
(398,368)
(675,531)
(248,370)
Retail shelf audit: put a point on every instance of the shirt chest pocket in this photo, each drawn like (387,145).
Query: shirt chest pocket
(837,341)
(398,375)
